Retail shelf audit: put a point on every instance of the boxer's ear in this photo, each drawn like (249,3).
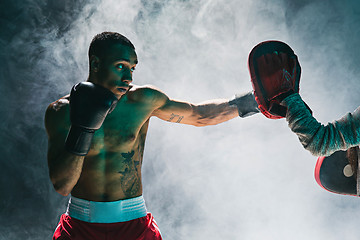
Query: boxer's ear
(94,63)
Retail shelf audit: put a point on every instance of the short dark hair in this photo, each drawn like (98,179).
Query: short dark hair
(102,42)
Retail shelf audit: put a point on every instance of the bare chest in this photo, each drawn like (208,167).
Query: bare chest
(123,129)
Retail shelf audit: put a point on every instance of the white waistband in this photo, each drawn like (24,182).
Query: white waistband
(106,212)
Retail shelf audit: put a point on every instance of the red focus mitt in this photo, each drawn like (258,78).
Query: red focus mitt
(339,172)
(275,74)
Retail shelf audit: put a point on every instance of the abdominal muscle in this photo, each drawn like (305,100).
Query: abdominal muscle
(111,171)
(105,180)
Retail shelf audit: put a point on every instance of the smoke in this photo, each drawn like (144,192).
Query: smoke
(243,179)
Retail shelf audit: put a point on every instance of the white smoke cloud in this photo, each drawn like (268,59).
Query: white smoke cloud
(243,179)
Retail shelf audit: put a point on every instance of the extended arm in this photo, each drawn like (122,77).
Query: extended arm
(321,140)
(210,112)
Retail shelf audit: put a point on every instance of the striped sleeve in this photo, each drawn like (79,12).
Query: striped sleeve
(319,139)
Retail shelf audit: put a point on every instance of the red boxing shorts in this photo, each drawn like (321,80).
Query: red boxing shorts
(124,219)
(144,228)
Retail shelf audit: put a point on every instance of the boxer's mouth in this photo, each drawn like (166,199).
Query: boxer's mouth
(122,89)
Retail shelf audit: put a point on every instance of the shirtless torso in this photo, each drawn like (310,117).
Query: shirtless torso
(112,169)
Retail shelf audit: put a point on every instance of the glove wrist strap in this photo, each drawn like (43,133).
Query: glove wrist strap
(245,104)
(78,140)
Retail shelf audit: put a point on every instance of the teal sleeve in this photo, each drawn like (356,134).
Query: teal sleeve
(319,139)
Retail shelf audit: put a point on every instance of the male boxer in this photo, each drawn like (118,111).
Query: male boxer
(96,142)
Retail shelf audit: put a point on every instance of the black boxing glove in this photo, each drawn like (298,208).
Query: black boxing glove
(245,104)
(89,105)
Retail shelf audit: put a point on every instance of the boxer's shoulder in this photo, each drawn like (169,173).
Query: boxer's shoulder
(60,104)
(57,113)
(148,94)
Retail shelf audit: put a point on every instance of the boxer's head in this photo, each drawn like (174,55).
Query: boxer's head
(101,44)
(112,59)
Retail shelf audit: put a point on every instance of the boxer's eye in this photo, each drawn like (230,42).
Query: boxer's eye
(132,69)
(120,66)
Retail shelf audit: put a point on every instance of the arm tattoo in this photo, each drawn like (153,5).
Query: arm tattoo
(176,116)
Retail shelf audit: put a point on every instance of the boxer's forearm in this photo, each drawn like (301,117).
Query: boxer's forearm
(213,112)
(321,140)
(64,170)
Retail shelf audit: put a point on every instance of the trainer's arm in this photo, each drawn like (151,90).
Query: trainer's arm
(64,167)
(210,112)
(319,139)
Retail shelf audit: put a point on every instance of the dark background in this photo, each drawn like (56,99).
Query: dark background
(43,48)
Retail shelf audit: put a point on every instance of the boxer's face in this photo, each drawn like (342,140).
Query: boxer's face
(116,69)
